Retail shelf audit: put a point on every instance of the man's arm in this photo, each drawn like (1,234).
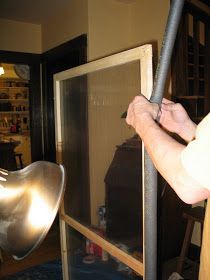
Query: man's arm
(164,151)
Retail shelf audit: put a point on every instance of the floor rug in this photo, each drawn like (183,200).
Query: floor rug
(98,270)
(79,271)
(47,271)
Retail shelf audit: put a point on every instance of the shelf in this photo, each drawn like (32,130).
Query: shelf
(15,112)
(190,97)
(14,106)
(14,100)
(192,79)
(7,129)
(13,88)
(13,79)
(192,64)
(191,53)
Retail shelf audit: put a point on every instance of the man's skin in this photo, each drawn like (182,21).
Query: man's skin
(164,150)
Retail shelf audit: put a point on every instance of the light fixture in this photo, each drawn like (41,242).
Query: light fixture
(29,201)
(1,69)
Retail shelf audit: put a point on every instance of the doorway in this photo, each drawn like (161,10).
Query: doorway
(15,115)
(31,122)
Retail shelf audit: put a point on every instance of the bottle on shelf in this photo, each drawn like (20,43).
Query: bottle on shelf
(14,105)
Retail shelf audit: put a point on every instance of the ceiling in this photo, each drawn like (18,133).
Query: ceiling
(34,11)
(31,11)
(38,11)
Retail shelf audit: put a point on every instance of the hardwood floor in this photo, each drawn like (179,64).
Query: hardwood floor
(49,250)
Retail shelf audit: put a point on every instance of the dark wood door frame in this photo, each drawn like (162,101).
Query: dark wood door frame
(63,57)
(33,60)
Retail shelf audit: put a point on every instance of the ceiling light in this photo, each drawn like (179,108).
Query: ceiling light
(1,70)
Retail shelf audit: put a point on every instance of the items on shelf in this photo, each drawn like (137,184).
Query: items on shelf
(190,87)
(14,105)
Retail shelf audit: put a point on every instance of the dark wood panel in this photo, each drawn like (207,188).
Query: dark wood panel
(200,14)
(179,67)
(205,2)
(196,36)
(63,57)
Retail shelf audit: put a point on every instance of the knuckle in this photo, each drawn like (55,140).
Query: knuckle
(179,105)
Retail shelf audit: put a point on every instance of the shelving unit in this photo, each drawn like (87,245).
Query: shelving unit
(14,106)
(15,115)
(191,63)
(194,98)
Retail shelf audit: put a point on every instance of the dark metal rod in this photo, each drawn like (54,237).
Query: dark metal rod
(150,183)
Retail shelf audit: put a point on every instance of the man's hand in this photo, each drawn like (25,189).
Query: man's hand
(141,112)
(175,119)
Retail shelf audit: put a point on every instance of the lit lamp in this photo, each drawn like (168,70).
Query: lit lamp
(1,69)
(29,201)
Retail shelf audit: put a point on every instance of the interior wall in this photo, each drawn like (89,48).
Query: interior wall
(109,92)
(109,23)
(20,37)
(148,21)
(115,25)
(67,22)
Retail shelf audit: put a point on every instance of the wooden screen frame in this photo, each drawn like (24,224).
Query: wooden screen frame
(142,54)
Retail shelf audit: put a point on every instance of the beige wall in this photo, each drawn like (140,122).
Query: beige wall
(148,21)
(67,22)
(108,27)
(20,37)
(114,25)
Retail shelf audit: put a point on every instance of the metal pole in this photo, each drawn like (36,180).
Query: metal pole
(150,178)
(166,50)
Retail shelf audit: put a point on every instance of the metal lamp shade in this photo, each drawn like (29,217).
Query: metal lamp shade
(29,201)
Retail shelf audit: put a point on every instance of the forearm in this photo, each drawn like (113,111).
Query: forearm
(165,153)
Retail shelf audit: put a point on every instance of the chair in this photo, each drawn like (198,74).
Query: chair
(7,156)
(192,215)
(19,161)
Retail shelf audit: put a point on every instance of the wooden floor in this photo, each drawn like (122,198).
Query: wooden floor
(48,251)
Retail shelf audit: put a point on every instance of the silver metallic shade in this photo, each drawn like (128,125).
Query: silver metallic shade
(29,201)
